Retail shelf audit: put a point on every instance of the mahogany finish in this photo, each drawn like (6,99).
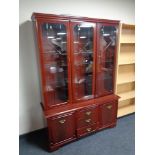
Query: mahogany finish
(108,114)
(77,68)
(87,130)
(87,117)
(61,127)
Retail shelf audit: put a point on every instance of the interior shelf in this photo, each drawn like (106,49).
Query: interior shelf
(121,88)
(125,110)
(127,35)
(127,102)
(127,95)
(128,26)
(126,78)
(126,62)
(126,74)
(123,42)
(127,54)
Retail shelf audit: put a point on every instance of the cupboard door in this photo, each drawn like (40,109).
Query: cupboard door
(54,61)
(106,51)
(108,114)
(83,59)
(61,128)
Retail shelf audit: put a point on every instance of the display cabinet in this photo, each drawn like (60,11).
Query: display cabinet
(77,57)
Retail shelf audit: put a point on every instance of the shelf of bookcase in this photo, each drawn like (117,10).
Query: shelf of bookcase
(128,26)
(126,79)
(127,42)
(126,95)
(127,34)
(125,87)
(125,110)
(126,62)
(127,102)
(126,74)
(127,54)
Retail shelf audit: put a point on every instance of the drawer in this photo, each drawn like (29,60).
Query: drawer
(87,113)
(87,130)
(88,120)
(62,120)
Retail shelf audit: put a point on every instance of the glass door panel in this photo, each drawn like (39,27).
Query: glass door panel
(83,60)
(55,65)
(106,47)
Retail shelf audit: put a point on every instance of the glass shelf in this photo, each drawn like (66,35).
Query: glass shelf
(85,52)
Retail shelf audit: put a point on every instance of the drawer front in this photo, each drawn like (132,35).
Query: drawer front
(61,127)
(88,120)
(87,130)
(107,113)
(87,113)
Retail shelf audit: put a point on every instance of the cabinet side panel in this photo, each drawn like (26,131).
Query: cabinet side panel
(37,47)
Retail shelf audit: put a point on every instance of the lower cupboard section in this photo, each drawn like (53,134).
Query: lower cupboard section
(72,125)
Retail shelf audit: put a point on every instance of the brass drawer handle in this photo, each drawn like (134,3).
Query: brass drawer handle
(62,121)
(88,113)
(109,106)
(88,129)
(88,120)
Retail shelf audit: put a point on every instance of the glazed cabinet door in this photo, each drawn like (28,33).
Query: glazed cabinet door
(83,59)
(106,52)
(54,59)
(107,114)
(61,128)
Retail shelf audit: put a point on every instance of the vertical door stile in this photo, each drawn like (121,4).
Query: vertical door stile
(71,60)
(94,59)
(38,27)
(69,63)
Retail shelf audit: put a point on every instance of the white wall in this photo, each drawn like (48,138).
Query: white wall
(31,117)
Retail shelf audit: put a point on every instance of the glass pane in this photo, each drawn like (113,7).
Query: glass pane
(105,58)
(54,41)
(83,60)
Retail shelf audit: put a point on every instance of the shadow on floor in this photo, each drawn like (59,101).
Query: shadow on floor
(38,139)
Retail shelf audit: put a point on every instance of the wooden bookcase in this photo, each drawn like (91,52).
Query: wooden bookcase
(125,70)
(77,65)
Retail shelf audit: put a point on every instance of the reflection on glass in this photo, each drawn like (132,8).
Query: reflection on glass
(105,58)
(83,60)
(54,41)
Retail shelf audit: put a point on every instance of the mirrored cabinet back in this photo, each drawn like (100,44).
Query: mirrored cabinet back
(77,57)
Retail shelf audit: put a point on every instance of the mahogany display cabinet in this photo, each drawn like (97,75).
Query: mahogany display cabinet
(77,57)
